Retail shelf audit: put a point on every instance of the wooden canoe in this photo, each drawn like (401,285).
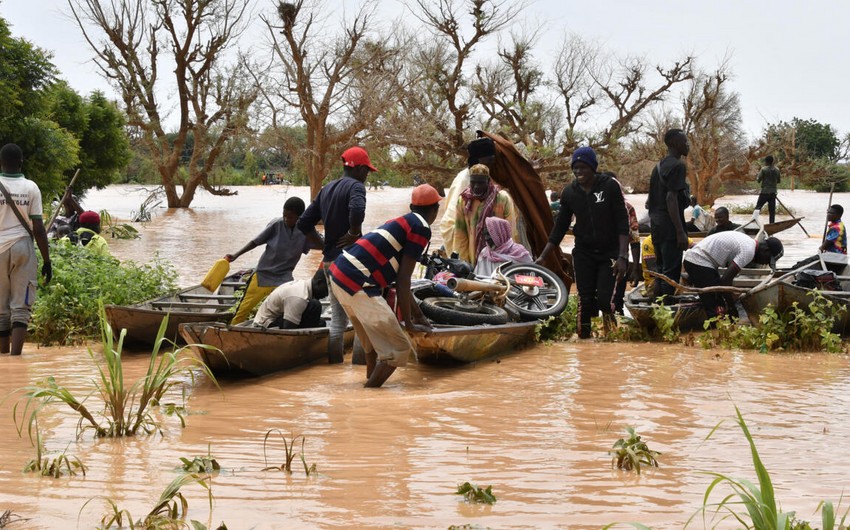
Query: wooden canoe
(782,293)
(688,312)
(770,229)
(247,350)
(193,304)
(466,344)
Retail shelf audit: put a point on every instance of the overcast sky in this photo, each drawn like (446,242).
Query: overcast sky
(789,58)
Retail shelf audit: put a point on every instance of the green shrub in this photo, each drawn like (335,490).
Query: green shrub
(798,329)
(559,327)
(66,312)
(630,453)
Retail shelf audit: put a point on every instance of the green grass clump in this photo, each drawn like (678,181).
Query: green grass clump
(798,329)
(124,410)
(473,493)
(66,310)
(631,453)
(289,454)
(52,467)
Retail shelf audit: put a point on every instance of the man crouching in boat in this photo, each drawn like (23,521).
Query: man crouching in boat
(380,258)
(733,250)
(295,304)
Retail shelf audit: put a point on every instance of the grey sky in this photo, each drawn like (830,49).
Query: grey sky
(789,58)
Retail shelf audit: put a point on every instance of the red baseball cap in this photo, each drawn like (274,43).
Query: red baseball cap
(357,156)
(89,217)
(424,195)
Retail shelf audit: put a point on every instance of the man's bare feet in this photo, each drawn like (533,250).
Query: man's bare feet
(381,373)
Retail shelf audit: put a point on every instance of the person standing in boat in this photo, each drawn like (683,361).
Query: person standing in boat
(374,262)
(836,234)
(341,207)
(667,200)
(295,304)
(600,255)
(768,177)
(284,247)
(733,250)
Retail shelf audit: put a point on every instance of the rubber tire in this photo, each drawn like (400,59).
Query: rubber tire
(551,283)
(447,310)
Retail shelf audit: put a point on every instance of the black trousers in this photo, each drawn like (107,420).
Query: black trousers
(668,261)
(595,285)
(770,200)
(700,276)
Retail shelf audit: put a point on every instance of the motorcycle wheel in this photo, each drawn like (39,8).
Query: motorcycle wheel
(531,302)
(448,310)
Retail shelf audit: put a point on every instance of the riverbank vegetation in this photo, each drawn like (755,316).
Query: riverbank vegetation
(66,310)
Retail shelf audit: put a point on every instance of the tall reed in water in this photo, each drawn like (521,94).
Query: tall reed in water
(127,409)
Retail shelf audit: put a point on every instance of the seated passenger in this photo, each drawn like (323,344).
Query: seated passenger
(294,304)
(499,248)
(88,235)
(722,222)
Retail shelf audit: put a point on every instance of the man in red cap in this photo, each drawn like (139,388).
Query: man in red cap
(88,234)
(341,206)
(374,262)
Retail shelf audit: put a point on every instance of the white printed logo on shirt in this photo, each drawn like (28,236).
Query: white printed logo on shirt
(599,197)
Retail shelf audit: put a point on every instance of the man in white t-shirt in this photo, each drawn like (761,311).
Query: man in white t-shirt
(18,264)
(294,304)
(733,250)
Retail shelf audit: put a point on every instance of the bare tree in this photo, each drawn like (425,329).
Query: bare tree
(712,121)
(340,84)
(434,118)
(576,89)
(146,48)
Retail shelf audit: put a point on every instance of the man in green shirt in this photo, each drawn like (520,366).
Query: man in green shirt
(768,177)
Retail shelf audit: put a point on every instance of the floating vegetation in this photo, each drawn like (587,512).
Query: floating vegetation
(127,410)
(289,454)
(109,225)
(200,464)
(473,493)
(630,453)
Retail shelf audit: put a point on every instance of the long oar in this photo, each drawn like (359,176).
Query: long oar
(826,223)
(65,195)
(792,217)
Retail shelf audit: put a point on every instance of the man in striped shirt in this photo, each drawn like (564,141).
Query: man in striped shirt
(379,259)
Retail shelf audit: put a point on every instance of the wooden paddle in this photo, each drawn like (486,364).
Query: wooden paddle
(65,196)
(828,204)
(792,217)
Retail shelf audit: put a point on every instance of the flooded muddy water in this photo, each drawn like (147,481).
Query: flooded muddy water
(536,424)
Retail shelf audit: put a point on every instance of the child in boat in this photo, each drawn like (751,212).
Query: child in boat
(294,304)
(836,234)
(500,248)
(284,246)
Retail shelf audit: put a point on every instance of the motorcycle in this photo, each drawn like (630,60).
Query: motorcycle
(516,292)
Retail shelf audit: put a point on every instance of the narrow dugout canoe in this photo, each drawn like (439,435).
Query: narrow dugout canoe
(247,350)
(466,344)
(193,304)
(688,313)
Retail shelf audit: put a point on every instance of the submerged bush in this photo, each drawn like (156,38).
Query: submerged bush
(66,312)
(558,327)
(798,329)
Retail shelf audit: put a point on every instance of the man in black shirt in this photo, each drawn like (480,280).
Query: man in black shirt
(668,198)
(722,222)
(601,231)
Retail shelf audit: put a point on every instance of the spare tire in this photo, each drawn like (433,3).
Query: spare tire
(448,310)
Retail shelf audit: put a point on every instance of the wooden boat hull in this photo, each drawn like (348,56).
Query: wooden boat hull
(466,344)
(770,229)
(190,305)
(688,314)
(783,294)
(247,350)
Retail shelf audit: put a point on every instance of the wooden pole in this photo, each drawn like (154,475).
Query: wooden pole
(713,289)
(826,223)
(792,216)
(65,195)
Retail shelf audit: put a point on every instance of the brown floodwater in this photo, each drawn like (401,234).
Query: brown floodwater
(535,424)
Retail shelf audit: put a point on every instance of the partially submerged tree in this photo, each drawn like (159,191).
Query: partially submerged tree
(146,48)
(340,83)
